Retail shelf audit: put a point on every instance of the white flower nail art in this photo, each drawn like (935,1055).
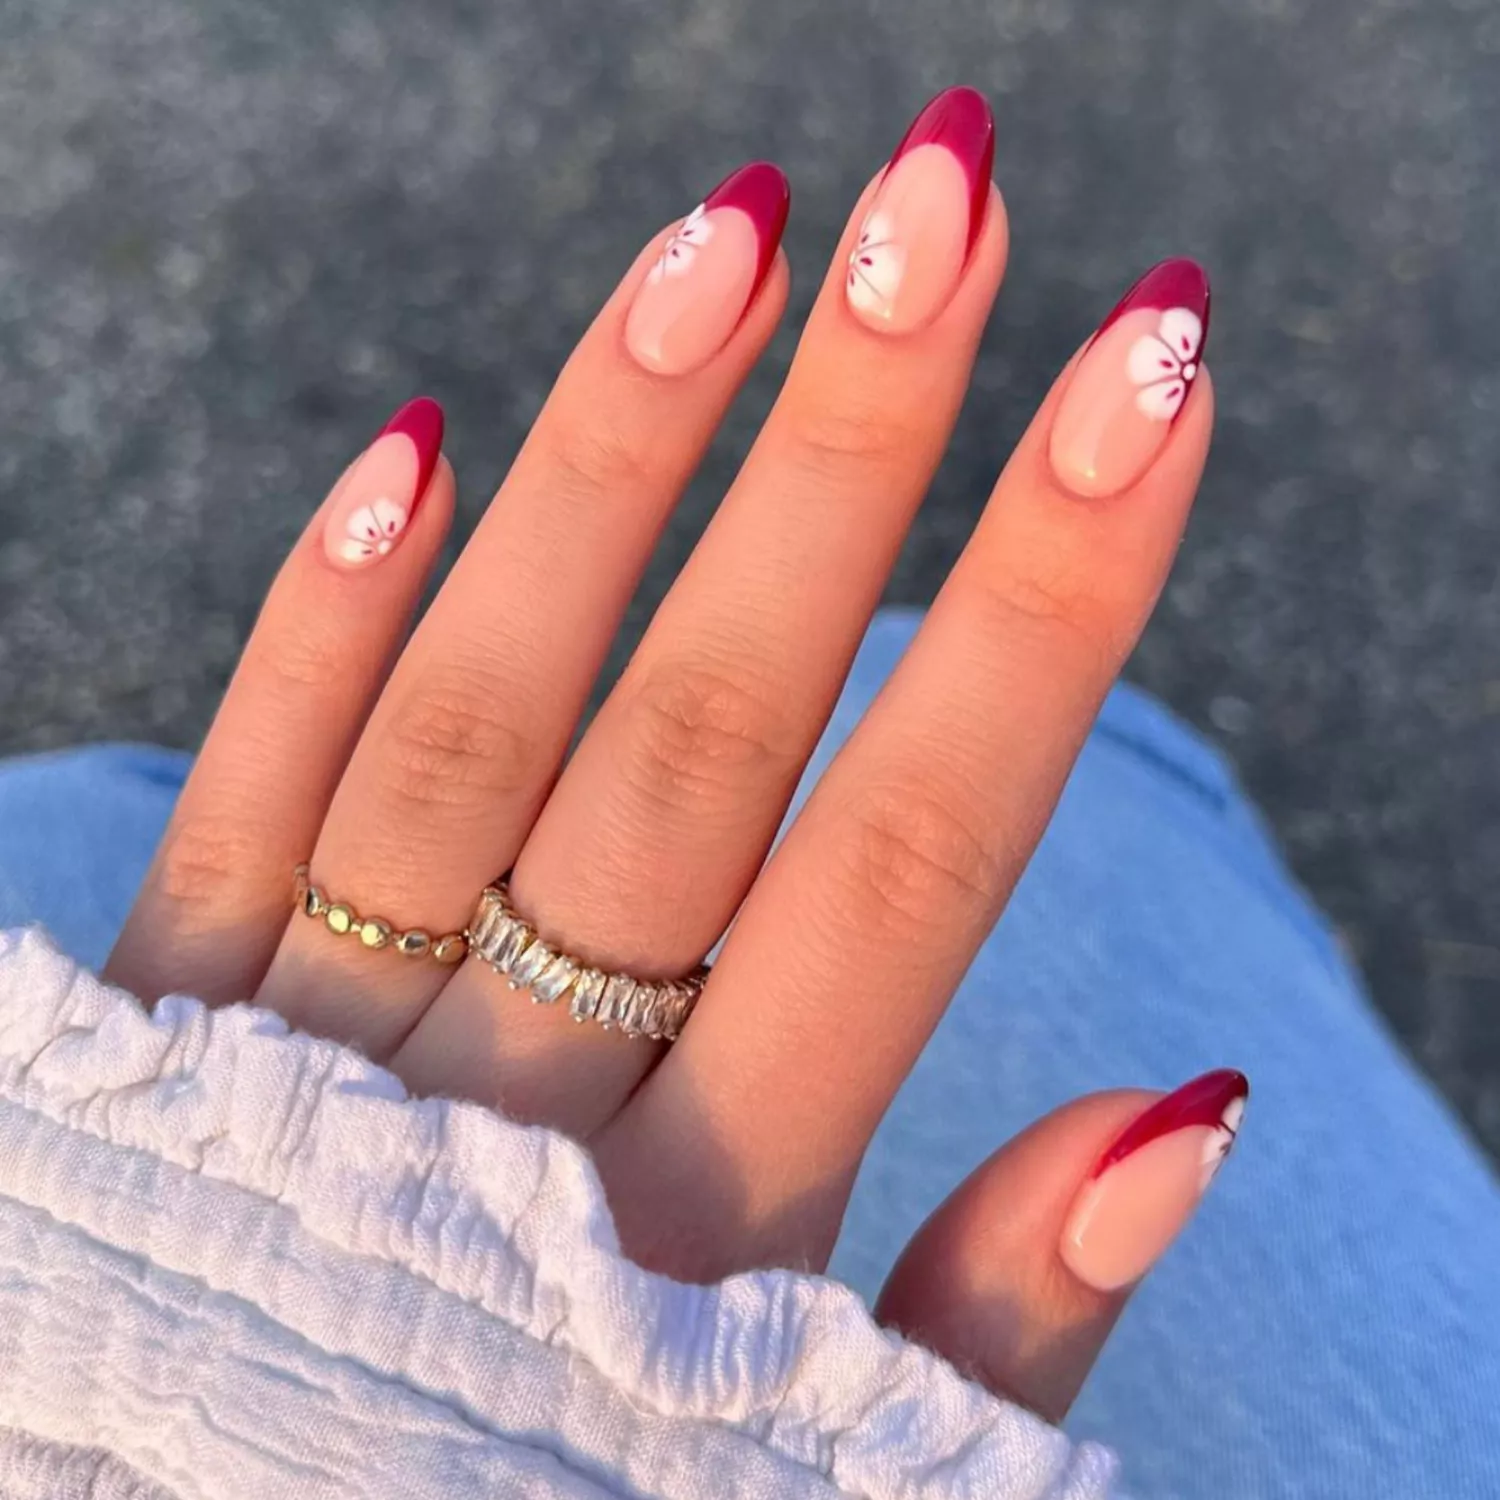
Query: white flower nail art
(1221,1140)
(372,531)
(1165,363)
(875,265)
(682,249)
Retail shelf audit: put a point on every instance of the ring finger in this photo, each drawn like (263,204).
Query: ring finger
(677,789)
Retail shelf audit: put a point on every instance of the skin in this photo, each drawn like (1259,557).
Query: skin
(412,769)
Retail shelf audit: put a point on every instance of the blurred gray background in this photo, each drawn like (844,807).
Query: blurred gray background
(234,236)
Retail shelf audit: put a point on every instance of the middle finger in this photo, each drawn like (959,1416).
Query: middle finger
(677,789)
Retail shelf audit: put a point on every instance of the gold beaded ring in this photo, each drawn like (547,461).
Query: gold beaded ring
(342,920)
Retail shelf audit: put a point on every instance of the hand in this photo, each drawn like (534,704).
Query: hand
(410,773)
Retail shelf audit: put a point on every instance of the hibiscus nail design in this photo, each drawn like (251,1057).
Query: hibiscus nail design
(926,215)
(1132,382)
(380,494)
(1146,1186)
(709,272)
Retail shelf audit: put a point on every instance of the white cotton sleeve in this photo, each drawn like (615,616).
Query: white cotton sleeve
(239,1261)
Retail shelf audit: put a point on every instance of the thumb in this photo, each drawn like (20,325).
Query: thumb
(1019,1275)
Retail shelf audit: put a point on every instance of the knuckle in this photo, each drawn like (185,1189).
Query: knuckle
(208,861)
(699,735)
(831,439)
(912,863)
(1061,605)
(457,742)
(594,459)
(301,660)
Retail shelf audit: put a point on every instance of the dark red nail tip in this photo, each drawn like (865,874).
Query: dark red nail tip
(761,192)
(1179,282)
(960,119)
(1201,1102)
(422,421)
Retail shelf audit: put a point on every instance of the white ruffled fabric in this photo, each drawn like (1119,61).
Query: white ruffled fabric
(239,1261)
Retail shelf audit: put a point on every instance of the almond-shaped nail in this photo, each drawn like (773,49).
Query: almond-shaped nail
(926,215)
(1132,382)
(380,494)
(709,272)
(1145,1187)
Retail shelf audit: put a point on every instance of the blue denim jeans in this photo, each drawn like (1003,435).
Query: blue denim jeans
(1330,1323)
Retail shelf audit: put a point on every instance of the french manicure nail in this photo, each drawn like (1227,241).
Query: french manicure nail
(1145,1187)
(380,494)
(926,215)
(709,272)
(1132,382)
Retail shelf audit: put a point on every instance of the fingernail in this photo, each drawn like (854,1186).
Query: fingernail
(1132,382)
(709,272)
(926,215)
(1146,1186)
(380,494)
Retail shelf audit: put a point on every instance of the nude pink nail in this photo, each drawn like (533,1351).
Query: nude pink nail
(926,215)
(1132,382)
(1145,1187)
(709,272)
(380,494)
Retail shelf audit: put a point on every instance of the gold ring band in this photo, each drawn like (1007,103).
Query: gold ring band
(654,1008)
(341,919)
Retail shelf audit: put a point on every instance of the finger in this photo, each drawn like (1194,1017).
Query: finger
(679,784)
(464,743)
(1019,1276)
(217,896)
(867,916)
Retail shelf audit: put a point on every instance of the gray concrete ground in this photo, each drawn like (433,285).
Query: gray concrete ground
(232,236)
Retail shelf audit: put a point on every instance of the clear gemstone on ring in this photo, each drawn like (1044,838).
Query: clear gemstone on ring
(635,1007)
(670,1000)
(618,991)
(675,1012)
(552,983)
(531,964)
(513,941)
(650,1017)
(484,924)
(588,990)
(656,1021)
(628,1017)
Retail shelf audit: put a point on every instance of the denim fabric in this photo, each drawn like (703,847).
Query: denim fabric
(1330,1323)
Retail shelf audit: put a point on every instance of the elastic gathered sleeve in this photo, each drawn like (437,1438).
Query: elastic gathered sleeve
(236,1260)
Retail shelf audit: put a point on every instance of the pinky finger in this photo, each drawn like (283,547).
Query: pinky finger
(1020,1275)
(216,898)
